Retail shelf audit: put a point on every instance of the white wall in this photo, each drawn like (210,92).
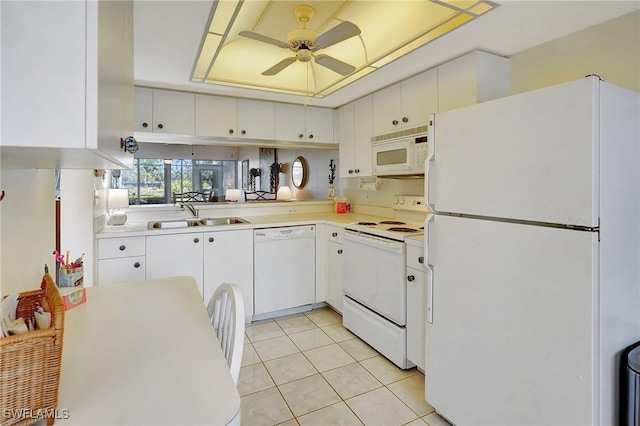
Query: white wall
(610,50)
(27,228)
(77,212)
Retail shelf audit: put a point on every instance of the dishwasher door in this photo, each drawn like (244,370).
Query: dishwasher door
(285,268)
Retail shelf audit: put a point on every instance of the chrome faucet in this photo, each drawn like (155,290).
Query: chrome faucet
(190,207)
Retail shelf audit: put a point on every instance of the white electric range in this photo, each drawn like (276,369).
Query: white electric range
(375,280)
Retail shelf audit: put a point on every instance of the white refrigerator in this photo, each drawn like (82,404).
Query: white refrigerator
(534,256)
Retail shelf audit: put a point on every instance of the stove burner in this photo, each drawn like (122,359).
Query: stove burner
(401,229)
(391,222)
(366,223)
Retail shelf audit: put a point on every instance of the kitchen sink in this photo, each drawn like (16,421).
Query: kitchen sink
(186,223)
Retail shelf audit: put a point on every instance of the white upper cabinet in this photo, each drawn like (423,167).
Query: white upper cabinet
(355,122)
(216,116)
(143,109)
(256,119)
(164,111)
(320,126)
(67,83)
(470,79)
(174,112)
(406,104)
(303,123)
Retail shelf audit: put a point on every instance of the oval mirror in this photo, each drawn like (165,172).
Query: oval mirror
(299,172)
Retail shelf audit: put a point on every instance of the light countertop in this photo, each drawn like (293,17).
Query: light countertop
(140,229)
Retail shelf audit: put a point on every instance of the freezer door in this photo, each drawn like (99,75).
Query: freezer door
(531,156)
(511,338)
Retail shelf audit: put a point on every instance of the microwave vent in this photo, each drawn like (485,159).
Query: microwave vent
(400,133)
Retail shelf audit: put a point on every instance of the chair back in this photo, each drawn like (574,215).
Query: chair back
(226,311)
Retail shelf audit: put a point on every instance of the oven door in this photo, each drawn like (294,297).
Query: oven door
(374,274)
(393,157)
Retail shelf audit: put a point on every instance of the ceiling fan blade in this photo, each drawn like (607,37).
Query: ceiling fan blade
(280,66)
(334,64)
(265,39)
(336,34)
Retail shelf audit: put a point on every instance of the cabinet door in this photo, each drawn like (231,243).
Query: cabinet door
(143,109)
(173,112)
(216,116)
(290,122)
(335,265)
(362,135)
(319,125)
(387,109)
(44,111)
(175,255)
(228,257)
(121,270)
(419,98)
(256,119)
(416,316)
(346,131)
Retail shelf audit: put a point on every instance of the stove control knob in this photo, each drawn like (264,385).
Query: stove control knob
(411,278)
(421,259)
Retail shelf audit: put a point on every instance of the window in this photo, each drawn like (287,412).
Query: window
(154,181)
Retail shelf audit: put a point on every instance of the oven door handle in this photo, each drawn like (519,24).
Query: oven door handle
(370,240)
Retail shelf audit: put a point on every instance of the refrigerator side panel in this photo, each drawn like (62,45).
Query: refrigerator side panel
(511,339)
(619,319)
(527,157)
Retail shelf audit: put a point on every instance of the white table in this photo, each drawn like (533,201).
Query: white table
(144,353)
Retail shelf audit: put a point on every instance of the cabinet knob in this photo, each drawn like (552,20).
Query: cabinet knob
(160,126)
(145,125)
(211,239)
(405,119)
(357,170)
(122,247)
(301,136)
(243,132)
(196,240)
(350,171)
(394,122)
(310,136)
(230,131)
(421,259)
(411,278)
(339,251)
(334,234)
(136,265)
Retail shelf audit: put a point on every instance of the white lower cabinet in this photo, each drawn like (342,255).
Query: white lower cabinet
(210,257)
(228,257)
(416,305)
(334,267)
(175,255)
(121,259)
(121,270)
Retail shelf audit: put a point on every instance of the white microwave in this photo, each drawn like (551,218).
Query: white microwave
(402,156)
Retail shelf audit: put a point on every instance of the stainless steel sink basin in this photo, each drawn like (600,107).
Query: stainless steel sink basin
(212,221)
(185,223)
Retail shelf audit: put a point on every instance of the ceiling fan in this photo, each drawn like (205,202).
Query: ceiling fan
(305,42)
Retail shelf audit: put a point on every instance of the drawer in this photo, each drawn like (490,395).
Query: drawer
(335,233)
(112,271)
(415,257)
(111,248)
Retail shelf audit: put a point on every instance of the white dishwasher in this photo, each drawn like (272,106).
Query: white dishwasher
(285,267)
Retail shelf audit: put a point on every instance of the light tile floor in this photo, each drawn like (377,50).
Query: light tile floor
(307,369)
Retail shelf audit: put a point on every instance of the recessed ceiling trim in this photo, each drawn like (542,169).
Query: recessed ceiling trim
(390,30)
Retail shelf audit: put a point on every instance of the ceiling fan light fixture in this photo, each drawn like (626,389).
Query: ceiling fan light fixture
(304,55)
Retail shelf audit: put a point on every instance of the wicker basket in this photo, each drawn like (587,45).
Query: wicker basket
(30,362)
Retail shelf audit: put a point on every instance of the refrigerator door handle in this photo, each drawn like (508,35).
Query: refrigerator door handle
(431,154)
(430,294)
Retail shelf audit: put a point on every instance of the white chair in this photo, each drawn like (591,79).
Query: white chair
(226,311)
